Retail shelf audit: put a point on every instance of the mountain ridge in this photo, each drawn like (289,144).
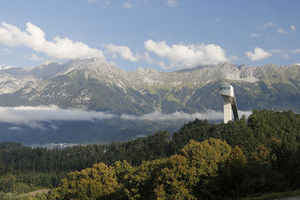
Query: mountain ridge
(96,85)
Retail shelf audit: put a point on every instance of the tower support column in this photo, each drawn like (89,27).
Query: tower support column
(230,108)
(227,109)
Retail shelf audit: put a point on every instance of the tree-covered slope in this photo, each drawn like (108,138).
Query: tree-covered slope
(200,161)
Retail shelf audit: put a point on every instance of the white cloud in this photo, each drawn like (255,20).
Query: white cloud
(279,50)
(158,116)
(293,28)
(23,114)
(281,31)
(123,51)
(285,53)
(128,5)
(171,3)
(187,56)
(254,35)
(291,51)
(34,38)
(15,128)
(34,115)
(296,50)
(234,57)
(148,58)
(3,67)
(33,57)
(107,2)
(258,54)
(267,25)
(6,50)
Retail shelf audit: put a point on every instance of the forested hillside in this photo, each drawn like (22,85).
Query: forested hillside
(201,161)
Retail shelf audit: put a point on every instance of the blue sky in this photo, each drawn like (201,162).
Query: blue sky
(164,34)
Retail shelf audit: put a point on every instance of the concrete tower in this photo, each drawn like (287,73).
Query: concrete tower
(227,92)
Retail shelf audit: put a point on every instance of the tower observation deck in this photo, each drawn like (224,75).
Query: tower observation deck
(227,92)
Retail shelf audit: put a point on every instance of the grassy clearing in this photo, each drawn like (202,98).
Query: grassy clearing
(34,195)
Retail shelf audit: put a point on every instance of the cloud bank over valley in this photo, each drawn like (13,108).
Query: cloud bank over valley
(28,114)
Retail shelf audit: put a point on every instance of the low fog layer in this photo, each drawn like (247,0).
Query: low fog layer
(47,113)
(158,116)
(24,114)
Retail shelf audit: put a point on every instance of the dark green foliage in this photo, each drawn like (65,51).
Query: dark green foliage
(18,158)
(265,157)
(9,145)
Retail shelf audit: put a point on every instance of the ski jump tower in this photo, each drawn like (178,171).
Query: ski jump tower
(227,92)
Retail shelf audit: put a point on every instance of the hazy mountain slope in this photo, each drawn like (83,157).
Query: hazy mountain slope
(82,132)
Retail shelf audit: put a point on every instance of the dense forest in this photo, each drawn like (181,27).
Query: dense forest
(201,161)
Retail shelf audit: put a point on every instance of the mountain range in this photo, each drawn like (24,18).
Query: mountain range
(95,85)
(92,85)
